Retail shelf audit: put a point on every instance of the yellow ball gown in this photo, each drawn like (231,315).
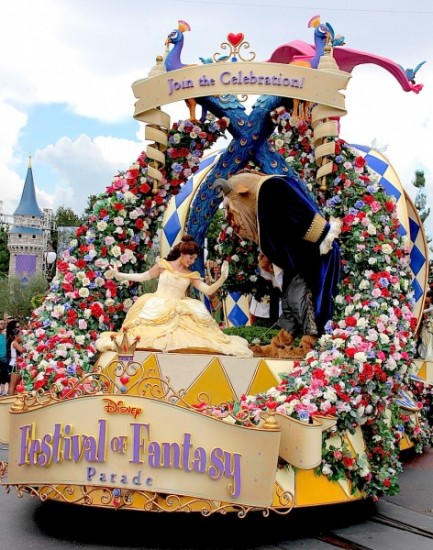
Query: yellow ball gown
(167,320)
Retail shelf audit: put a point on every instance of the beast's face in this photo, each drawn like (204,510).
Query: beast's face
(240,203)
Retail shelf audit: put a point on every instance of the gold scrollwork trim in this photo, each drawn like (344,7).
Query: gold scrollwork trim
(149,501)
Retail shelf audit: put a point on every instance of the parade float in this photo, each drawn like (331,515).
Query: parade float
(140,429)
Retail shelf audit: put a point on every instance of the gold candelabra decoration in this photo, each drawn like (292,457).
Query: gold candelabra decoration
(235,42)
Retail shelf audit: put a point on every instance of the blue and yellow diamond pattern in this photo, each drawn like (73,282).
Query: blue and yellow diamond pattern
(178,208)
(411,224)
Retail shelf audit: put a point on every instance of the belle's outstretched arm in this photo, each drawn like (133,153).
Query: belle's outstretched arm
(211,289)
(152,273)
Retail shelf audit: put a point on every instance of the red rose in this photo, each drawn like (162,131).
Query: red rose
(350,352)
(360,162)
(81,264)
(80,230)
(144,188)
(389,206)
(96,310)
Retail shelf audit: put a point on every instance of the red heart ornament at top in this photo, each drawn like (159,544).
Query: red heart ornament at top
(124,379)
(235,39)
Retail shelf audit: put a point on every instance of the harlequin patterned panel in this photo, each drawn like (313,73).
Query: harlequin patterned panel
(177,212)
(418,256)
(388,179)
(236,309)
(411,224)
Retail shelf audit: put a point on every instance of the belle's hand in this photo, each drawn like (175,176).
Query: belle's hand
(115,270)
(225,269)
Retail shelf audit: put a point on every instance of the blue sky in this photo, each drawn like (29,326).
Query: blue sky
(67,67)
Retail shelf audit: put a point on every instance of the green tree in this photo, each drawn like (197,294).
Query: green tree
(88,211)
(18,298)
(4,252)
(64,217)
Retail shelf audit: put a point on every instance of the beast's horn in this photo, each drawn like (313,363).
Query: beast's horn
(224,184)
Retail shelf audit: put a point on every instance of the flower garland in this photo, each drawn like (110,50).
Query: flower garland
(84,299)
(242,257)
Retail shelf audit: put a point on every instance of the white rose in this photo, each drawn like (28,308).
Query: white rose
(326,470)
(338,342)
(130,197)
(384,338)
(387,248)
(101,225)
(58,311)
(362,322)
(330,394)
(115,251)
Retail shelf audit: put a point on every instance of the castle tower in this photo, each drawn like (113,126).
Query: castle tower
(29,235)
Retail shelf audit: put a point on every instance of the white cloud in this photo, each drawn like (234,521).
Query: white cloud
(84,167)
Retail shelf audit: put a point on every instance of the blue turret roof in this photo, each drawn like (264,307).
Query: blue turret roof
(28,205)
(18,229)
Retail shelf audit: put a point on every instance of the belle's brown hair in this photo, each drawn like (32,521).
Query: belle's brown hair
(186,246)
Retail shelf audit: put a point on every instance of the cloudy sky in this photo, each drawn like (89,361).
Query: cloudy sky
(67,67)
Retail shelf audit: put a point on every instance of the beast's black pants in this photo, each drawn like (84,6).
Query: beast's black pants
(297,309)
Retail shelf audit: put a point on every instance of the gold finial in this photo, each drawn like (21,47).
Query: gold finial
(271,422)
(30,161)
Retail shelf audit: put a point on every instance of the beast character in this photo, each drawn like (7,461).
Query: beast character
(279,215)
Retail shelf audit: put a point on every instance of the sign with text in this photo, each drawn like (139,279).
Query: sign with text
(142,444)
(277,79)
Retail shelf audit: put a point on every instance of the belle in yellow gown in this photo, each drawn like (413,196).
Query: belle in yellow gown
(167,320)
